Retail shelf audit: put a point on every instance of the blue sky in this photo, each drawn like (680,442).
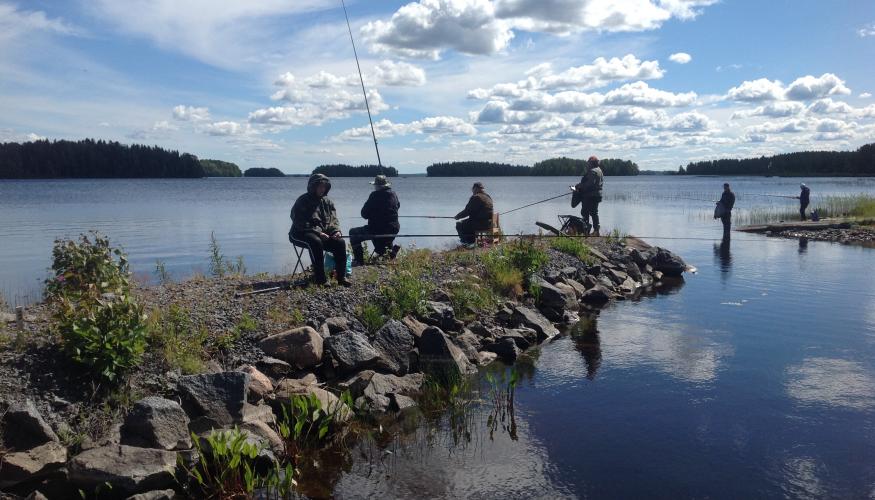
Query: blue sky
(273,83)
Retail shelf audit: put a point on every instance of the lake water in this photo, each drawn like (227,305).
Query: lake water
(754,379)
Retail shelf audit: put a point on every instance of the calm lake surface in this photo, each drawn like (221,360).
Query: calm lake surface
(754,379)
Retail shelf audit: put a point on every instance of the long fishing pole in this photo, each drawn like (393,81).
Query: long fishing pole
(771,195)
(535,203)
(362,80)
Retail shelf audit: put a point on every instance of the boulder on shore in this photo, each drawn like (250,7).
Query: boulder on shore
(351,351)
(126,468)
(534,320)
(394,342)
(156,422)
(216,397)
(300,347)
(438,356)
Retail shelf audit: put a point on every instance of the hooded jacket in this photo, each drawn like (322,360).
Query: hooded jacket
(590,187)
(381,211)
(805,195)
(313,214)
(478,210)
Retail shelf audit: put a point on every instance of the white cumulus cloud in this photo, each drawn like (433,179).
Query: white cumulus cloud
(811,87)
(680,58)
(191,113)
(641,94)
(761,89)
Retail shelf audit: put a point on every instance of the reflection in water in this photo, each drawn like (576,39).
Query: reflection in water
(801,478)
(586,340)
(723,255)
(833,382)
(803,245)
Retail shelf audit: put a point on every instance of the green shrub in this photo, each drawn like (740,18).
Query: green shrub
(371,315)
(221,265)
(305,423)
(161,272)
(508,265)
(100,324)
(404,294)
(182,341)
(225,467)
(469,297)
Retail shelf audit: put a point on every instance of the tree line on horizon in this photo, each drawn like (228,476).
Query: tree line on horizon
(551,167)
(91,158)
(820,163)
(219,168)
(343,170)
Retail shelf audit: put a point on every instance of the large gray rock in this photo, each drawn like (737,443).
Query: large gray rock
(29,428)
(554,297)
(274,368)
(155,495)
(126,468)
(438,356)
(416,327)
(469,344)
(578,287)
(536,321)
(394,342)
(216,397)
(156,422)
(20,466)
(301,347)
(351,351)
(260,384)
(441,315)
(505,348)
(337,324)
(665,262)
(596,295)
(523,337)
(374,392)
(633,271)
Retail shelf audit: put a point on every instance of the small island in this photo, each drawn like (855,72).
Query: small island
(263,172)
(219,168)
(561,166)
(341,170)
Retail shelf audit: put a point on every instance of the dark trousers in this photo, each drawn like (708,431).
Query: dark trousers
(727,224)
(359,235)
(317,248)
(467,229)
(589,209)
(802,207)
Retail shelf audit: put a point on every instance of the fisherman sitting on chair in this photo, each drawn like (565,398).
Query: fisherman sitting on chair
(589,194)
(479,216)
(381,212)
(316,228)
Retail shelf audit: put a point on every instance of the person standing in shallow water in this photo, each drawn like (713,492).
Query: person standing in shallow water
(727,199)
(804,198)
(381,212)
(589,194)
(316,228)
(479,215)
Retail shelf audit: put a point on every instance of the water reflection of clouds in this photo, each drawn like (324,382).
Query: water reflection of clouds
(800,476)
(833,382)
(668,346)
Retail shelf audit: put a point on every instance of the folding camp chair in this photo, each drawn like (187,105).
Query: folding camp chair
(490,236)
(299,247)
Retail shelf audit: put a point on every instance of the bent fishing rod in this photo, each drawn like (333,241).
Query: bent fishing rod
(362,80)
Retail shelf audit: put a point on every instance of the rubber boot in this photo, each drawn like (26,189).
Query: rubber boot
(358,256)
(394,251)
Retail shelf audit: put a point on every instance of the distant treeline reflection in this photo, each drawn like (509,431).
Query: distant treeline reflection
(553,166)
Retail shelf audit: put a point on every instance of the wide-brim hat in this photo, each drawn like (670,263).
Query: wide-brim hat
(478,185)
(381,180)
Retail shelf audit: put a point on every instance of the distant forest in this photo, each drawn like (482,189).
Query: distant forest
(812,163)
(341,170)
(93,159)
(219,168)
(263,172)
(553,166)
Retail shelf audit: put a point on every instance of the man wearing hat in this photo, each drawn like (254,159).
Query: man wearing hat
(804,197)
(479,215)
(589,194)
(316,228)
(381,212)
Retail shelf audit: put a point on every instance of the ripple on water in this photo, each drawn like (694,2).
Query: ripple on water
(832,382)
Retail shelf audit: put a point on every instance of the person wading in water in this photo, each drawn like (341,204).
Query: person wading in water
(589,194)
(727,200)
(381,212)
(479,216)
(804,197)
(315,227)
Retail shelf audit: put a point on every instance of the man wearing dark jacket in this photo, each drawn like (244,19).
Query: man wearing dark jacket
(589,194)
(479,215)
(727,200)
(316,228)
(381,212)
(804,197)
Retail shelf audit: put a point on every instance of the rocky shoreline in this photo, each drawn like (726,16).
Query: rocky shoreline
(63,432)
(855,235)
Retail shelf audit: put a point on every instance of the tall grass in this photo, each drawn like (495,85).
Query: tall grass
(858,206)
(574,247)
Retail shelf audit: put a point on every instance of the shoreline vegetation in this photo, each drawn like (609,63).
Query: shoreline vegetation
(561,166)
(200,389)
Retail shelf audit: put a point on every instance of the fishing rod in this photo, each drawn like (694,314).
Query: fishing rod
(535,203)
(771,195)
(362,80)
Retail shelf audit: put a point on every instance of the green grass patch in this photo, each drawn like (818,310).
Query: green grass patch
(468,298)
(508,265)
(574,247)
(371,315)
(182,340)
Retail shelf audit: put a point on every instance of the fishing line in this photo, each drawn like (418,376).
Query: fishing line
(539,236)
(362,79)
(535,203)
